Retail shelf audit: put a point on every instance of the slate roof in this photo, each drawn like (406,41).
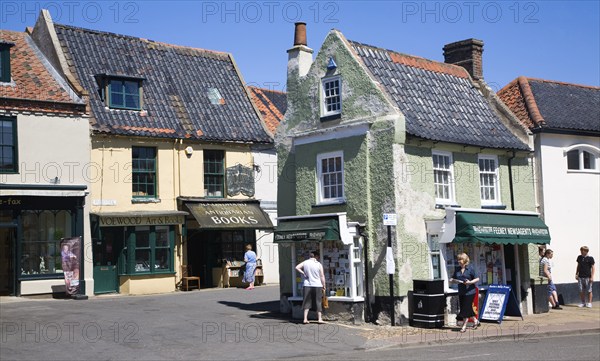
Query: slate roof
(35,85)
(439,100)
(551,104)
(176,84)
(271,104)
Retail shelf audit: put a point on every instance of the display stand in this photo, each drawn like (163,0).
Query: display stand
(232,273)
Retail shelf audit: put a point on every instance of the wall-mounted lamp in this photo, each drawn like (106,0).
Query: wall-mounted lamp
(189,150)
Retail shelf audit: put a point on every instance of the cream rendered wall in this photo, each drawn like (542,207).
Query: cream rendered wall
(111,178)
(144,285)
(49,147)
(571,205)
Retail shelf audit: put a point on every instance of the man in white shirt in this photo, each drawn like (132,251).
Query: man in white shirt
(313,286)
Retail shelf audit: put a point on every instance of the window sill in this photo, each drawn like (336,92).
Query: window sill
(446,205)
(329,203)
(583,171)
(327,118)
(145,200)
(493,206)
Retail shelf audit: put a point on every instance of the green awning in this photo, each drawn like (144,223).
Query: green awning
(500,228)
(308,229)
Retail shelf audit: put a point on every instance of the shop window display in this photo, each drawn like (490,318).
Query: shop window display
(40,246)
(488,260)
(152,249)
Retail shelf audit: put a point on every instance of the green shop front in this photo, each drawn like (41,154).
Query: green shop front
(341,249)
(501,245)
(136,252)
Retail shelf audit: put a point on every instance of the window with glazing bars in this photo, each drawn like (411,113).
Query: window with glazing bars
(8,145)
(331,96)
(442,177)
(144,172)
(214,173)
(124,94)
(488,180)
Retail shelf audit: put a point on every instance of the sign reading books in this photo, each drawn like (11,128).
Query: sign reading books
(499,301)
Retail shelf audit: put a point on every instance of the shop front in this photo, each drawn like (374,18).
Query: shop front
(497,243)
(217,234)
(341,250)
(135,252)
(31,229)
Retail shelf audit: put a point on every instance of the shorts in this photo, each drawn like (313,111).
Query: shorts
(585,285)
(551,288)
(312,298)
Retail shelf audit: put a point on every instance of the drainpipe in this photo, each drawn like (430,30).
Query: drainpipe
(510,181)
(368,310)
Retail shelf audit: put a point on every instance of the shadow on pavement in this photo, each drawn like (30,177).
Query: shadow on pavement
(270,306)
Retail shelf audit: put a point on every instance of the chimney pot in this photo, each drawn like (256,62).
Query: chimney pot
(300,34)
(468,54)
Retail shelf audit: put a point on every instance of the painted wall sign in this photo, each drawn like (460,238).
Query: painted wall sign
(124,221)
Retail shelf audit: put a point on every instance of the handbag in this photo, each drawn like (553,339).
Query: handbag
(324,302)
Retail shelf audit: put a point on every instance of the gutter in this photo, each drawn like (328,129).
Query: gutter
(510,181)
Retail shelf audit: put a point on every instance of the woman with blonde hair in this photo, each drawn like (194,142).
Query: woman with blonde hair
(250,259)
(467,279)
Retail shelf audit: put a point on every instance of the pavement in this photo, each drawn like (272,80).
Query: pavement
(222,323)
(571,320)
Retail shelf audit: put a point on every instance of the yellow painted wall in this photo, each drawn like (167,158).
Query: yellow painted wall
(147,284)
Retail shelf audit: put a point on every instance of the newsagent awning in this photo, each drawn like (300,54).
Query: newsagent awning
(229,215)
(330,227)
(494,227)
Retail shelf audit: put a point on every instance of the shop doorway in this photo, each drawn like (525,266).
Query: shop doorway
(106,256)
(208,251)
(7,264)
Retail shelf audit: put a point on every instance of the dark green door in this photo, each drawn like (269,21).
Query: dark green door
(7,265)
(106,251)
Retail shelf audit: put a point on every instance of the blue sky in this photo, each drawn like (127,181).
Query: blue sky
(557,40)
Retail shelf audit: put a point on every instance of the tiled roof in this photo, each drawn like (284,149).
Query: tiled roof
(179,96)
(271,104)
(438,100)
(35,85)
(553,104)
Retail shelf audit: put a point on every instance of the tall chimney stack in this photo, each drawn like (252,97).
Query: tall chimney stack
(300,55)
(468,54)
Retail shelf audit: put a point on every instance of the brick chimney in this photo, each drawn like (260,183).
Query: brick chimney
(468,54)
(300,55)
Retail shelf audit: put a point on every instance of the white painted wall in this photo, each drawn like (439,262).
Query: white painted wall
(571,202)
(266,192)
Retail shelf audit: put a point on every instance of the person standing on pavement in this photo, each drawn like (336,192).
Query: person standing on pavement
(546,271)
(467,279)
(250,259)
(313,286)
(585,276)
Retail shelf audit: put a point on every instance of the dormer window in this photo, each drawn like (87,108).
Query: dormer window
(5,76)
(124,94)
(121,92)
(332,96)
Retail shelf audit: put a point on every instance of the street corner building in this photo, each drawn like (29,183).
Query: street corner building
(44,193)
(564,119)
(178,160)
(370,131)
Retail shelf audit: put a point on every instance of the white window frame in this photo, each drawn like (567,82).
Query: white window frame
(581,148)
(320,185)
(495,174)
(451,199)
(324,97)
